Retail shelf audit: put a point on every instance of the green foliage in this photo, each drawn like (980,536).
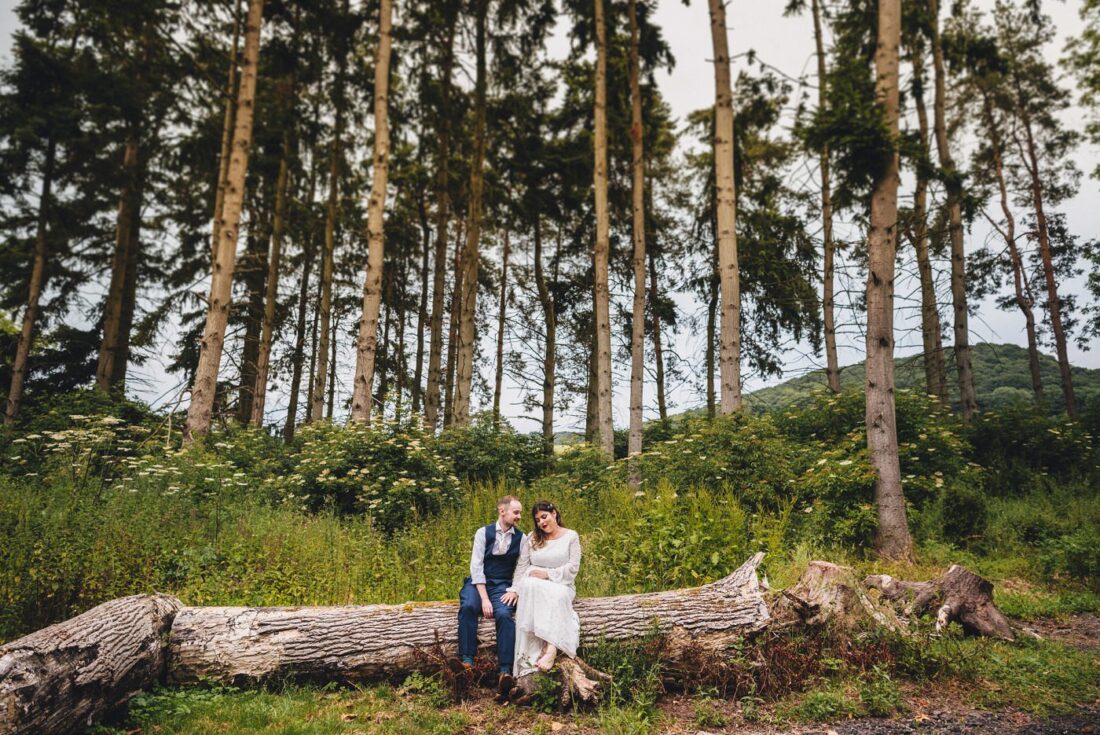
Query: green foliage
(388,471)
(879,694)
(964,513)
(429,688)
(490,450)
(1075,555)
(708,715)
(634,667)
(822,705)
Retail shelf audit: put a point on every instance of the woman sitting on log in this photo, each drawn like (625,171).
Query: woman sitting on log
(546,623)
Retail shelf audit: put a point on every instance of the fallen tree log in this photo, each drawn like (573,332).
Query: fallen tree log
(352,643)
(64,678)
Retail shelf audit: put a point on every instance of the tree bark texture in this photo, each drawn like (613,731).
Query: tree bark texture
(372,286)
(328,252)
(112,350)
(658,349)
(452,332)
(1054,304)
(550,347)
(935,368)
(892,540)
(229,119)
(274,258)
(239,644)
(471,258)
(442,224)
(967,394)
(729,357)
(300,329)
(65,677)
(637,332)
(832,366)
(600,253)
(503,310)
(712,339)
(422,309)
(221,282)
(34,288)
(253,273)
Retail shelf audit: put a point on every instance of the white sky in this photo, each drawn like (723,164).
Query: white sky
(787,44)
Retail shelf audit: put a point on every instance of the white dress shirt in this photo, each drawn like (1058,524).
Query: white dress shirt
(502,543)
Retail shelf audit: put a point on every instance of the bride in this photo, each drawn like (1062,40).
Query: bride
(546,623)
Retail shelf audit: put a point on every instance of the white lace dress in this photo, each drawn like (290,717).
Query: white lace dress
(545,611)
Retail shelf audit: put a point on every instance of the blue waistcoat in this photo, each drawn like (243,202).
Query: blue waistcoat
(500,568)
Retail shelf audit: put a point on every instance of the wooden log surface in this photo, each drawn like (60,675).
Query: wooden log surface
(65,677)
(242,644)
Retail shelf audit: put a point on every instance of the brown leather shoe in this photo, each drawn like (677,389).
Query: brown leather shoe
(504,687)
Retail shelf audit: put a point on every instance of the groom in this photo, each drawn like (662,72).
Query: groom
(492,563)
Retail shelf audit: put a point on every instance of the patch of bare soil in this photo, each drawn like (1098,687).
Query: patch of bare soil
(1078,631)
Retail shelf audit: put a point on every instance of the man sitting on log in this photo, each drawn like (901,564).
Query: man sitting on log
(492,564)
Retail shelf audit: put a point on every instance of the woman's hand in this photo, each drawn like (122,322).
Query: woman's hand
(509,598)
(538,574)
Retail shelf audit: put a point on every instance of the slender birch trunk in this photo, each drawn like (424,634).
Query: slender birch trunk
(658,350)
(712,338)
(471,258)
(313,338)
(303,298)
(221,284)
(967,394)
(600,254)
(832,367)
(422,309)
(550,347)
(111,348)
(328,255)
(1054,304)
(332,369)
(228,125)
(442,224)
(253,271)
(376,206)
(637,336)
(452,332)
(726,206)
(892,540)
(935,367)
(271,297)
(35,287)
(1024,298)
(500,328)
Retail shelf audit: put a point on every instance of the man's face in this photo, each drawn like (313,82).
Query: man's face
(510,514)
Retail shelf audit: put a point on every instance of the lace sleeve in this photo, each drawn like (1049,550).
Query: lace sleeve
(523,565)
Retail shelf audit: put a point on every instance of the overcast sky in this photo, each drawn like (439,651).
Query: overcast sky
(786,44)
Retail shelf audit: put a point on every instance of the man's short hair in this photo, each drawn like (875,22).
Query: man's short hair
(507,500)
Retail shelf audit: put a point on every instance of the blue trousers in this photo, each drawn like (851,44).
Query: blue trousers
(469,612)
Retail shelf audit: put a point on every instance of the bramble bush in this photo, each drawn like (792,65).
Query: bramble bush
(489,450)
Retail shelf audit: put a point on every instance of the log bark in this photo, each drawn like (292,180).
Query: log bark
(601,312)
(65,677)
(353,643)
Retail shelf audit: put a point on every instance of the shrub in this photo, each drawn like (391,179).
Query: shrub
(489,450)
(389,471)
(964,513)
(839,491)
(1076,555)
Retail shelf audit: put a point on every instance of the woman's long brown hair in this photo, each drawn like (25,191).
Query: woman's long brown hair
(538,536)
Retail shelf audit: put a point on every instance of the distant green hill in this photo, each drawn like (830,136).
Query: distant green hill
(1000,373)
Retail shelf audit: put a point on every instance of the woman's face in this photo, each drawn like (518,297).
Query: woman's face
(546,521)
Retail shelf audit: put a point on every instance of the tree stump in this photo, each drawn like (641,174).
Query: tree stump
(65,677)
(829,592)
(959,595)
(353,643)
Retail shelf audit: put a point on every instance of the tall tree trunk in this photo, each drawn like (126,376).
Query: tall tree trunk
(935,368)
(967,394)
(658,350)
(471,258)
(254,275)
(229,119)
(832,367)
(303,298)
(726,206)
(111,348)
(310,415)
(452,335)
(221,284)
(637,336)
(892,540)
(442,223)
(422,309)
(1054,304)
(592,413)
(400,364)
(712,339)
(550,347)
(328,254)
(600,254)
(271,297)
(500,328)
(372,285)
(384,353)
(1024,298)
(333,342)
(35,287)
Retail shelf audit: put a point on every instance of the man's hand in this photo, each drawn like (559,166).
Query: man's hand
(486,608)
(538,574)
(509,598)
